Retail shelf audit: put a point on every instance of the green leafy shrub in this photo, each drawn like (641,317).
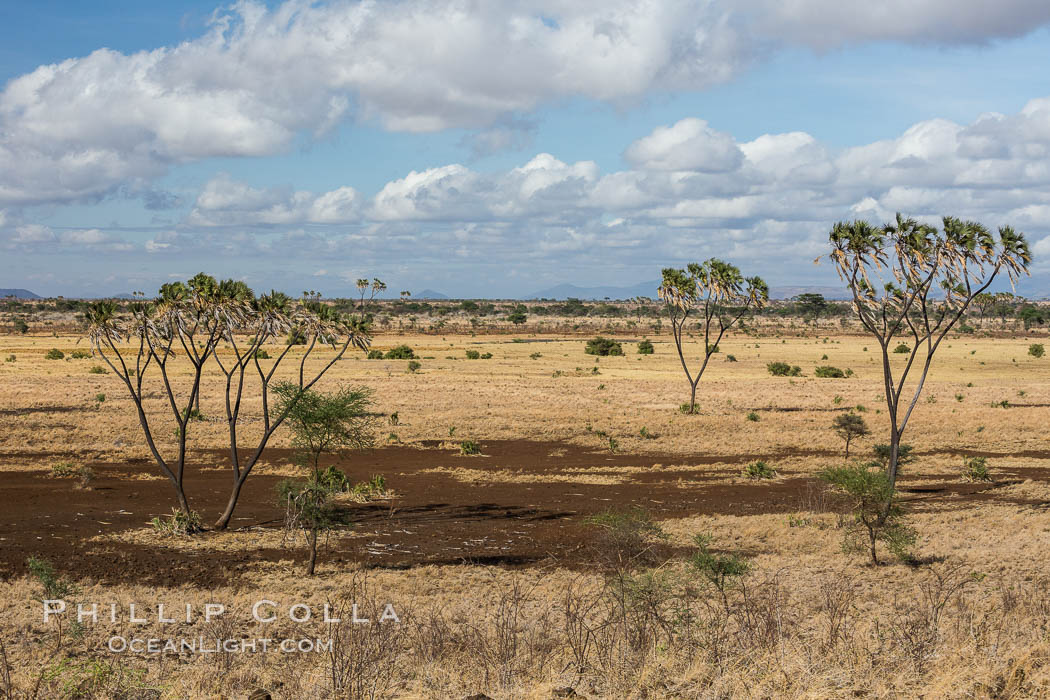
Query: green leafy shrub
(370,490)
(10,358)
(829,372)
(486,355)
(730,358)
(752,416)
(261,354)
(375,354)
(334,479)
(603,346)
(722,571)
(783,369)
(80,354)
(876,515)
(63,470)
(1036,350)
(469,447)
(54,354)
(759,470)
(902,349)
(904,454)
(536,356)
(645,347)
(473,354)
(401,352)
(976,469)
(413,366)
(178,523)
(54,587)
(98,369)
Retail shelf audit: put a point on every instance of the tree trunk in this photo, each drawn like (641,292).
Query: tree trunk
(224,520)
(871,541)
(184,505)
(313,552)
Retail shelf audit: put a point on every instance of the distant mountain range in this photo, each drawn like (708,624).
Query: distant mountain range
(19,294)
(648,289)
(429,294)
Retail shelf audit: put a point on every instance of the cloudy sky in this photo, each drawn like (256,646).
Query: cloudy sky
(498,148)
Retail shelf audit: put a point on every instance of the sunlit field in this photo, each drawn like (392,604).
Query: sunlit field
(502,581)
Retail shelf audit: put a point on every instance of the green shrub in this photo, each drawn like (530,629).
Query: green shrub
(603,346)
(469,447)
(535,356)
(100,398)
(334,479)
(21,326)
(401,352)
(720,570)
(97,369)
(783,369)
(730,358)
(752,416)
(644,432)
(473,354)
(829,372)
(876,515)
(645,347)
(54,354)
(486,355)
(976,469)
(80,354)
(759,470)
(1036,350)
(626,539)
(55,588)
(375,354)
(413,366)
(64,469)
(712,349)
(178,523)
(372,489)
(10,358)
(902,349)
(261,354)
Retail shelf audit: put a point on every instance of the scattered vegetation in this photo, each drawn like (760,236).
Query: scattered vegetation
(783,369)
(849,427)
(603,347)
(645,347)
(876,515)
(759,470)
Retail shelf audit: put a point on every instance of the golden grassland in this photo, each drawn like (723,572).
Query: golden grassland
(971,621)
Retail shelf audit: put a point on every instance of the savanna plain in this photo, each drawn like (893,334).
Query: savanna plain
(536,535)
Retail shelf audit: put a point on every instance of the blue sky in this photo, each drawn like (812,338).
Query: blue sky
(495,152)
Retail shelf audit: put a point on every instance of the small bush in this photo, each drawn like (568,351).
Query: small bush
(646,434)
(536,356)
(783,369)
(401,352)
(375,355)
(829,372)
(54,354)
(100,398)
(603,346)
(730,358)
(334,479)
(712,349)
(55,588)
(486,355)
(976,469)
(97,369)
(904,454)
(413,366)
(1036,350)
(902,349)
(370,490)
(261,354)
(876,515)
(469,447)
(752,416)
(63,470)
(178,523)
(645,347)
(10,358)
(473,354)
(80,354)
(759,470)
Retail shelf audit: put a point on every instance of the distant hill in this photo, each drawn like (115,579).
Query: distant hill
(567,291)
(428,294)
(19,294)
(648,289)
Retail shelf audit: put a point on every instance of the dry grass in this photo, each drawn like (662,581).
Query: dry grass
(972,621)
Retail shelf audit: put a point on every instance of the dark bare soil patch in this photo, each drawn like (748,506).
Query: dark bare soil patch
(435,518)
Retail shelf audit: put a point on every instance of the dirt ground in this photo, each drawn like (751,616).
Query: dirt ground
(519,503)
